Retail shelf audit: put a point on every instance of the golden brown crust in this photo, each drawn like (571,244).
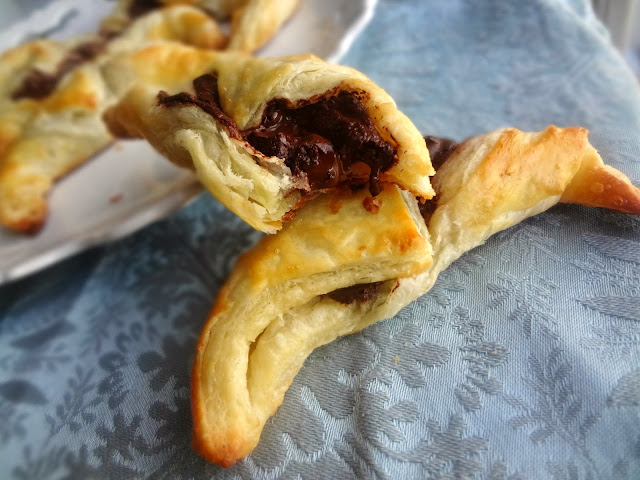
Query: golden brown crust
(598,185)
(509,175)
(43,141)
(504,173)
(488,184)
(180,22)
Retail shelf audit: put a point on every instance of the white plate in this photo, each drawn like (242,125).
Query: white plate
(128,185)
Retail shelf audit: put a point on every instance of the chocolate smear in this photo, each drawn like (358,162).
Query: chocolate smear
(357,293)
(38,84)
(440,149)
(324,140)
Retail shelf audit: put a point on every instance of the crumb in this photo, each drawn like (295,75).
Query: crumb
(372,204)
(396,359)
(115,198)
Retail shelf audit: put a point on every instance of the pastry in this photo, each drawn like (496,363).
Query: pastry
(266,135)
(336,241)
(256,21)
(53,94)
(253,22)
(277,306)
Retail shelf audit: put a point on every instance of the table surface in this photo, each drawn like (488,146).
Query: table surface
(522,362)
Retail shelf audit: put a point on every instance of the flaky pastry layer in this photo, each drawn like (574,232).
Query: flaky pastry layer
(253,22)
(259,188)
(248,355)
(273,311)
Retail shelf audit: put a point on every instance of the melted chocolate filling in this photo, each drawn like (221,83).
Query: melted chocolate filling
(320,141)
(206,98)
(440,149)
(323,140)
(141,7)
(356,293)
(38,84)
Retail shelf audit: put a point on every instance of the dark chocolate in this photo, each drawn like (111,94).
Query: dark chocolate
(206,98)
(427,208)
(357,293)
(440,149)
(320,141)
(38,84)
(305,153)
(323,140)
(141,7)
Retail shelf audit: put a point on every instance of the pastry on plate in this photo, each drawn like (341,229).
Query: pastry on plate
(253,22)
(267,135)
(332,270)
(53,95)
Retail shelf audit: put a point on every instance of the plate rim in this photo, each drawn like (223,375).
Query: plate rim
(184,193)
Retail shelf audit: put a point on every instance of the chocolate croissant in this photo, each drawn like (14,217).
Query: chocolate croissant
(53,94)
(267,135)
(329,272)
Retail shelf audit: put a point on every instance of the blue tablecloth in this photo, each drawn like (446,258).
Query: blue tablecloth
(522,362)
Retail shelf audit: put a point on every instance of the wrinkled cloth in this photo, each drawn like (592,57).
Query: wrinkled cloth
(523,362)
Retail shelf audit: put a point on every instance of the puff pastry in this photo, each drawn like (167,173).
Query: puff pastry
(336,240)
(253,22)
(300,289)
(53,94)
(256,21)
(266,135)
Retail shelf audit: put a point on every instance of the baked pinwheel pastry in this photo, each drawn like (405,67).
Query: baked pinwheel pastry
(267,135)
(53,95)
(332,270)
(253,22)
